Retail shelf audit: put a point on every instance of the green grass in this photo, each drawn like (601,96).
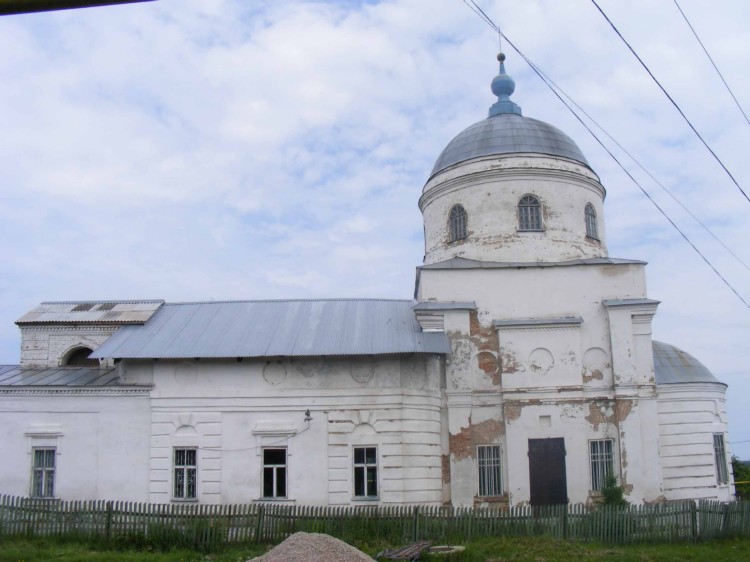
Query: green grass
(33,550)
(552,550)
(483,550)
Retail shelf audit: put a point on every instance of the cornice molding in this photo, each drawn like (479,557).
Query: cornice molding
(8,391)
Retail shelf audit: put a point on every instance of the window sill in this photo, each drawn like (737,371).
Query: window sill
(367,499)
(184,500)
(491,499)
(593,239)
(529,230)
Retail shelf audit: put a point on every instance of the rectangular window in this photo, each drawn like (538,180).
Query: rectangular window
(720,455)
(490,472)
(43,472)
(601,458)
(365,472)
(274,473)
(185,474)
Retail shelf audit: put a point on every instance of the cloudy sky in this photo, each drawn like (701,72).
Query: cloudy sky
(226,149)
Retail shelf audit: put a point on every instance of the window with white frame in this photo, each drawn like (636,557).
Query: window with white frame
(43,472)
(365,472)
(185,474)
(601,458)
(490,471)
(457,223)
(720,456)
(529,213)
(591,228)
(274,472)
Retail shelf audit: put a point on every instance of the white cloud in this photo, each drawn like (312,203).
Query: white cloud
(227,149)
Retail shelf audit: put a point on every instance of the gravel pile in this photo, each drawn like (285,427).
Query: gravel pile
(313,547)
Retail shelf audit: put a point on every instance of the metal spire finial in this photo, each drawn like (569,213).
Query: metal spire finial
(503,86)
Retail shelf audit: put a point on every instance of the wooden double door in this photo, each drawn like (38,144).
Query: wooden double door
(547,474)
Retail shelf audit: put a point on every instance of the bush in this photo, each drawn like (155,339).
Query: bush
(612,493)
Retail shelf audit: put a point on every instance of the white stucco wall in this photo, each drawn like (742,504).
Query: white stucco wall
(101,452)
(689,416)
(506,384)
(490,188)
(229,410)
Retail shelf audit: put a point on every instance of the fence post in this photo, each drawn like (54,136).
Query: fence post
(108,522)
(416,523)
(694,520)
(565,521)
(725,520)
(259,523)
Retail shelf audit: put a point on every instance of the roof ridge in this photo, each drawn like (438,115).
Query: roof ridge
(289,300)
(102,301)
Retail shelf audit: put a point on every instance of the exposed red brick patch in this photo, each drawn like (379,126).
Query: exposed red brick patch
(512,411)
(484,339)
(463,444)
(445,462)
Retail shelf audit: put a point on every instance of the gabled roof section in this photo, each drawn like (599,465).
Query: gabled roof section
(91,312)
(281,328)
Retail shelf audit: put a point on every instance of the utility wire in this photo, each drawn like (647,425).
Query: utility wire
(716,68)
(541,75)
(648,173)
(677,107)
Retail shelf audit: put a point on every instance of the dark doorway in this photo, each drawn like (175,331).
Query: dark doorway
(547,475)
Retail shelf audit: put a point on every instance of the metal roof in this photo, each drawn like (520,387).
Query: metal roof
(674,366)
(281,328)
(615,303)
(508,133)
(445,305)
(14,375)
(465,263)
(91,312)
(520,322)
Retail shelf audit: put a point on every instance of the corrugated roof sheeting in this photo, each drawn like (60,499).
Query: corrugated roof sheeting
(673,366)
(114,312)
(275,329)
(14,375)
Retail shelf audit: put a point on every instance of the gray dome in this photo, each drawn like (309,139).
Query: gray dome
(672,365)
(507,133)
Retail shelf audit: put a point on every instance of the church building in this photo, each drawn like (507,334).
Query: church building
(523,371)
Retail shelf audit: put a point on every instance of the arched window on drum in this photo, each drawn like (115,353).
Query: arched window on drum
(591,228)
(529,213)
(457,223)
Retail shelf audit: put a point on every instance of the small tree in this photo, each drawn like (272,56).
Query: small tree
(612,493)
(741,473)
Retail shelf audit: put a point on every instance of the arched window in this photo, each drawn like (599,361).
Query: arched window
(457,223)
(79,357)
(529,213)
(591,230)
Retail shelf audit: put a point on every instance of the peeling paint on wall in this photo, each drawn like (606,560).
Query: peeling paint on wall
(607,411)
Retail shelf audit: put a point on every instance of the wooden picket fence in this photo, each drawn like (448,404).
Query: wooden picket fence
(206,526)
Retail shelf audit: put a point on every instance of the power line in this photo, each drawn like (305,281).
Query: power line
(646,171)
(677,107)
(541,75)
(716,68)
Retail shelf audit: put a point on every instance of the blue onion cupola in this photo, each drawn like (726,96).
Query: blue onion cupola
(503,87)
